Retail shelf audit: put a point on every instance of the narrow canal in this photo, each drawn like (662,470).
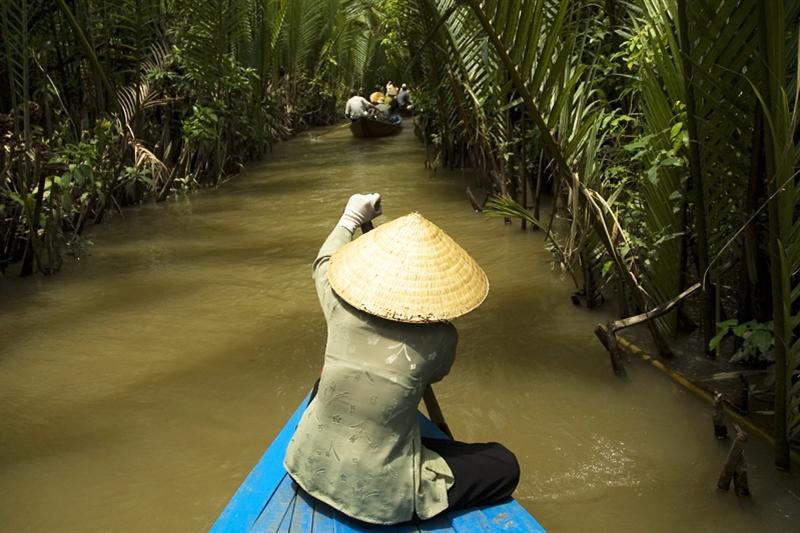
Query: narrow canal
(138,387)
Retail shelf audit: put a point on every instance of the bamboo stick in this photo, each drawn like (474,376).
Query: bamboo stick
(718,416)
(740,484)
(538,193)
(734,457)
(696,172)
(741,400)
(476,206)
(435,411)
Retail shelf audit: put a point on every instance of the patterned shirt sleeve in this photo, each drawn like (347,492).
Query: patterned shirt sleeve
(446,352)
(337,238)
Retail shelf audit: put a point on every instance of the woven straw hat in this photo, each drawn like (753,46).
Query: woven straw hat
(408,270)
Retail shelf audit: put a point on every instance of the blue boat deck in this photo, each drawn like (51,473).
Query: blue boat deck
(269,501)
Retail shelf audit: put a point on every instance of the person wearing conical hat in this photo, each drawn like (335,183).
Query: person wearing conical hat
(403,98)
(377,96)
(387,297)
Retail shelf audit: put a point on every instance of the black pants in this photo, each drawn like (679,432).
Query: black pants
(483,473)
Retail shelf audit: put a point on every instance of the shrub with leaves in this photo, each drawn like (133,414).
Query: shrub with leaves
(756,340)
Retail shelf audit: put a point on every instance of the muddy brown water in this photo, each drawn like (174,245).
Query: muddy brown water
(139,386)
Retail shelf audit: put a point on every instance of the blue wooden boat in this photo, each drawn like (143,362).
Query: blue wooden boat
(269,501)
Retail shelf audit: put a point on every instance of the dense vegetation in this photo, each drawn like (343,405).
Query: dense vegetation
(110,103)
(667,132)
(664,130)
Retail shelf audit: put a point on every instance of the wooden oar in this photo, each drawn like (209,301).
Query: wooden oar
(428,397)
(337,128)
(435,412)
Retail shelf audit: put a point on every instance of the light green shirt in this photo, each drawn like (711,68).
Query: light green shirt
(357,446)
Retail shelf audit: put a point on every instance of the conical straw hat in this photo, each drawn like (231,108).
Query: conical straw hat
(408,270)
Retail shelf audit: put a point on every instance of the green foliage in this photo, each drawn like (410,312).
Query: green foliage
(757,340)
(393,38)
(659,175)
(200,127)
(660,158)
(113,103)
(781,160)
(83,173)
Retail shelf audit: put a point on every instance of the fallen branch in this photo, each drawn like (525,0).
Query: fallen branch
(476,206)
(607,333)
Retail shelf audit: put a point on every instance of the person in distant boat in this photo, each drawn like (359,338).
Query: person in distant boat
(377,96)
(384,112)
(387,297)
(391,95)
(357,106)
(403,98)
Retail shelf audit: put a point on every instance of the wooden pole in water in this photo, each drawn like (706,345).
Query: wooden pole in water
(538,194)
(731,465)
(741,400)
(718,416)
(740,485)
(428,397)
(476,206)
(523,175)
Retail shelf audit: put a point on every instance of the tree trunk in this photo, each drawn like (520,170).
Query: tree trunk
(695,171)
(770,15)
(32,253)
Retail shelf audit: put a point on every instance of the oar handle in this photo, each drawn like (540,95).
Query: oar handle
(434,411)
(337,128)
(368,226)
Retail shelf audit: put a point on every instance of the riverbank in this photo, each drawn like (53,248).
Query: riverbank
(744,390)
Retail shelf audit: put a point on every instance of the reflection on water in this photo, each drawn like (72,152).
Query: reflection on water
(138,387)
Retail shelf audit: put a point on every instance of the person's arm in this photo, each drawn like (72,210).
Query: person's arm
(360,209)
(368,104)
(446,353)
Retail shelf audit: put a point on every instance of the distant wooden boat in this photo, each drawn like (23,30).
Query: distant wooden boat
(269,501)
(372,127)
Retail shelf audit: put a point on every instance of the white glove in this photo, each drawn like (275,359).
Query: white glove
(360,209)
